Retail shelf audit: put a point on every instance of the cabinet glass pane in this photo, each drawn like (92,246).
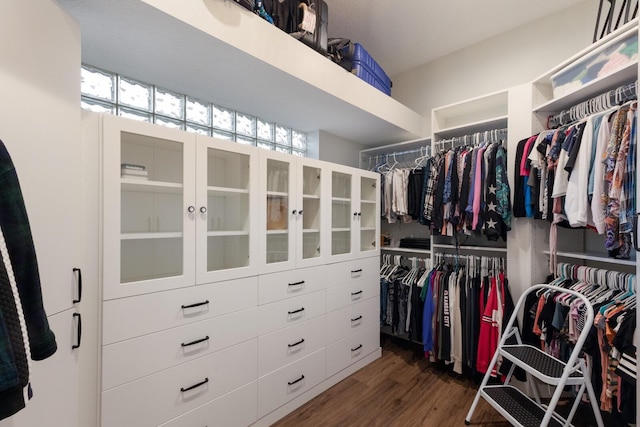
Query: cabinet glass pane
(228,211)
(367,240)
(341,185)
(277,176)
(340,242)
(310,244)
(311,181)
(227,169)
(368,189)
(147,259)
(277,248)
(277,211)
(227,252)
(151,202)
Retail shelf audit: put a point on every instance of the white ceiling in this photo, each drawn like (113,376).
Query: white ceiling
(402,34)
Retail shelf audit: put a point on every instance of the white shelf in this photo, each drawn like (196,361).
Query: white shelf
(143,236)
(340,230)
(277,194)
(471,248)
(311,230)
(368,202)
(367,229)
(227,190)
(341,199)
(498,122)
(408,250)
(227,233)
(275,232)
(596,87)
(311,196)
(593,257)
(144,186)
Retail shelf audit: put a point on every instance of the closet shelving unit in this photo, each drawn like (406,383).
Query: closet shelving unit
(583,246)
(468,117)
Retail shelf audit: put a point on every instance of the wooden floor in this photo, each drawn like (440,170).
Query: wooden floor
(401,389)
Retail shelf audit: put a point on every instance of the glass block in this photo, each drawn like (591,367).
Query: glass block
(134,114)
(244,140)
(265,144)
(169,103)
(222,135)
(135,94)
(223,119)
(200,130)
(282,149)
(283,135)
(97,83)
(299,153)
(169,122)
(198,112)
(245,124)
(97,106)
(265,130)
(298,140)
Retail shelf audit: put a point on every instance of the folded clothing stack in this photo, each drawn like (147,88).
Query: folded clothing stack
(415,243)
(129,170)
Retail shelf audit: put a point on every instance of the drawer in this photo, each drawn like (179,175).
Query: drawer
(161,397)
(135,358)
(287,345)
(279,387)
(344,272)
(236,409)
(143,314)
(351,349)
(349,320)
(287,284)
(352,293)
(280,314)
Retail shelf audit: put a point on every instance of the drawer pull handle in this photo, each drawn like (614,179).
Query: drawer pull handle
(357,348)
(201,383)
(79,336)
(187,344)
(77,300)
(198,304)
(297,283)
(297,311)
(296,381)
(355,319)
(296,343)
(353,294)
(356,271)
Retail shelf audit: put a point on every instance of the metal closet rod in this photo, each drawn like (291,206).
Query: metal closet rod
(474,138)
(594,105)
(424,150)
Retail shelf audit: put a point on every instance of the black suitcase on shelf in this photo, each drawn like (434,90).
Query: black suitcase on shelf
(318,39)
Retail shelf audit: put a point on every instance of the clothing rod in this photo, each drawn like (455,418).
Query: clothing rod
(594,105)
(475,138)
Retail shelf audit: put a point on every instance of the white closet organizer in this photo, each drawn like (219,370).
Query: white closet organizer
(237,283)
(578,244)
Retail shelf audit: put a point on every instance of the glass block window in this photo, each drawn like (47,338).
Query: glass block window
(106,92)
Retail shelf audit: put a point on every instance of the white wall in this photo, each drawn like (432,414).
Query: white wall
(338,150)
(506,60)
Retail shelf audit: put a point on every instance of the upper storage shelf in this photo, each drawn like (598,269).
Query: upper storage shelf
(218,51)
(486,112)
(594,83)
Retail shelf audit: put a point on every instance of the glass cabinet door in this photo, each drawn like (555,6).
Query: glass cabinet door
(148,187)
(278,210)
(310,240)
(342,215)
(368,216)
(224,209)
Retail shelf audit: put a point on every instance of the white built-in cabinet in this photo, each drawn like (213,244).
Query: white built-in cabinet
(223,289)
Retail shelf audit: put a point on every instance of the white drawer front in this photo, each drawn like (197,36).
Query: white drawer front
(279,387)
(287,284)
(161,397)
(135,358)
(287,312)
(143,314)
(351,349)
(352,293)
(236,409)
(287,345)
(349,320)
(345,272)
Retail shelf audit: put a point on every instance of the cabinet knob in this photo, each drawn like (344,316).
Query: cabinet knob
(355,214)
(294,212)
(359,213)
(299,212)
(203,209)
(191,209)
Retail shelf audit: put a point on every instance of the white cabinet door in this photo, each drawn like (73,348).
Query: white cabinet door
(54,381)
(226,220)
(368,217)
(312,241)
(278,212)
(149,207)
(343,213)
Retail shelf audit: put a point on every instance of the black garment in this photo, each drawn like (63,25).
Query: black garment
(575,147)
(438,218)
(414,194)
(465,187)
(519,210)
(426,170)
